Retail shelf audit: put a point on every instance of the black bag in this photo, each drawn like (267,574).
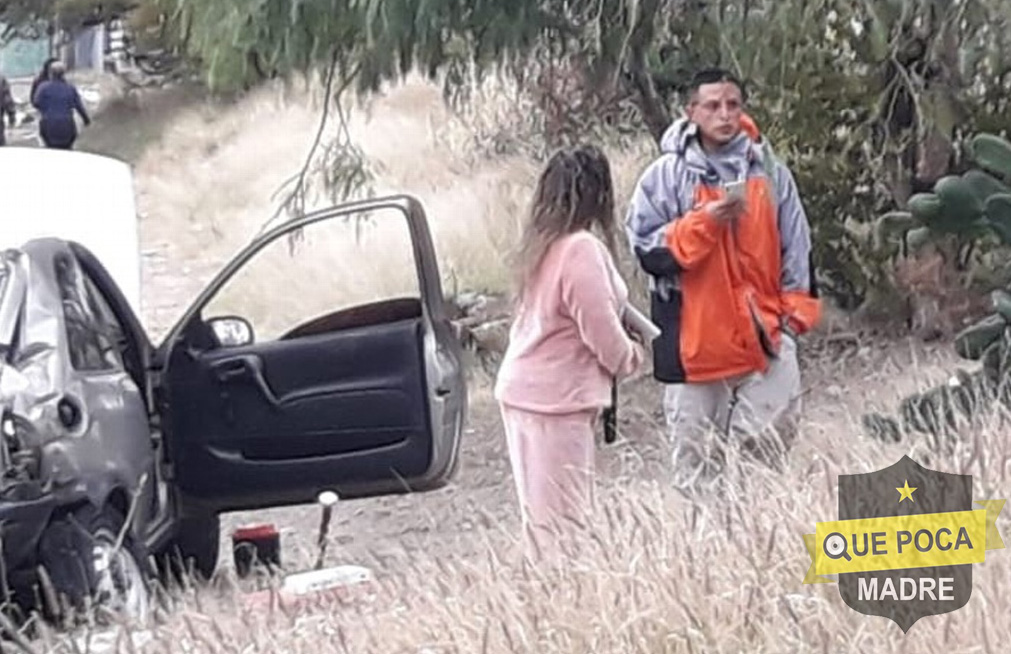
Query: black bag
(610,416)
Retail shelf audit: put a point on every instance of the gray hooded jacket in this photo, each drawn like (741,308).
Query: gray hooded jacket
(666,190)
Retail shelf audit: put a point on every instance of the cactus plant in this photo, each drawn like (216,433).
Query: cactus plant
(992,153)
(938,411)
(998,212)
(984,184)
(968,206)
(973,341)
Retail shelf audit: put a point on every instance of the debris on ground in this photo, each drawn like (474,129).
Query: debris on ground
(481,322)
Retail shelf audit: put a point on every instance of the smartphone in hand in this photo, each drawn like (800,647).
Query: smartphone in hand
(736,189)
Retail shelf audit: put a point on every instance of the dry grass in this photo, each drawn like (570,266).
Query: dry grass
(209,186)
(654,574)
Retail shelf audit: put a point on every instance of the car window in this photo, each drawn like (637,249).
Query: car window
(110,330)
(330,267)
(89,342)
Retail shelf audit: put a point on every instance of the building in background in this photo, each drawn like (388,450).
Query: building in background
(99,46)
(23,57)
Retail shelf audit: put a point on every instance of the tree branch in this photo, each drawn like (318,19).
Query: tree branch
(297,194)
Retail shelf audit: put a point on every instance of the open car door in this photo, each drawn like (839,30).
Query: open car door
(364,400)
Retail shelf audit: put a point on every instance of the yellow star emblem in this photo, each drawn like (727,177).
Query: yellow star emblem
(905,492)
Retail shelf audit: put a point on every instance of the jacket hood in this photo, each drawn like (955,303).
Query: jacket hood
(729,162)
(675,138)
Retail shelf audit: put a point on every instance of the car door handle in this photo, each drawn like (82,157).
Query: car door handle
(246,366)
(231,369)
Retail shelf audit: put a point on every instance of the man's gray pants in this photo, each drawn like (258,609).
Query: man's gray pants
(755,413)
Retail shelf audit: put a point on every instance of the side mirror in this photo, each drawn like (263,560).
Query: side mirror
(231,331)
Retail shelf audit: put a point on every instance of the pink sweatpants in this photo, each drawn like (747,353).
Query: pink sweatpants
(552,458)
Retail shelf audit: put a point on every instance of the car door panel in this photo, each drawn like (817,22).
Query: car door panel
(362,408)
(316,403)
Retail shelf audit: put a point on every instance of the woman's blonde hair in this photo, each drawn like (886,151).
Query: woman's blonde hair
(575,192)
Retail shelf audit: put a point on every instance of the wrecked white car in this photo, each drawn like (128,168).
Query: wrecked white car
(106,433)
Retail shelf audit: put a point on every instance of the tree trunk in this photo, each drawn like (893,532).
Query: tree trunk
(940,101)
(650,104)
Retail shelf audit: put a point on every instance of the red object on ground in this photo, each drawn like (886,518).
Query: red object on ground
(257,532)
(260,543)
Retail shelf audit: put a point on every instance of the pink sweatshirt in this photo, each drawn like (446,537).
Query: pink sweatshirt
(567,341)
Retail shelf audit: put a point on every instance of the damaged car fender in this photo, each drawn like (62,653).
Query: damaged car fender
(78,424)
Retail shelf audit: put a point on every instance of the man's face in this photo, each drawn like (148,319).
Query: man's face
(716,109)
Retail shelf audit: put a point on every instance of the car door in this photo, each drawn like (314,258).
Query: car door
(364,400)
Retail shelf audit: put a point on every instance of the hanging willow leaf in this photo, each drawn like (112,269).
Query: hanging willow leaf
(831,85)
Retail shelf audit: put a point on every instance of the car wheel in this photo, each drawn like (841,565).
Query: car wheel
(86,563)
(120,574)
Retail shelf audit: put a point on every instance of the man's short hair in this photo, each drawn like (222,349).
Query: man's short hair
(715,76)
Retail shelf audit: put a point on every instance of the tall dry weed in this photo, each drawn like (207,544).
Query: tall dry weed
(651,573)
(209,186)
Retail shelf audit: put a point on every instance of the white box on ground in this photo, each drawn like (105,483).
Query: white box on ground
(77,196)
(314,581)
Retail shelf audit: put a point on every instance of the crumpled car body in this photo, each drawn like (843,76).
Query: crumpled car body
(74,422)
(364,401)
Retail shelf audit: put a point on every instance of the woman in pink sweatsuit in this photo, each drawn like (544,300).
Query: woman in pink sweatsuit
(566,344)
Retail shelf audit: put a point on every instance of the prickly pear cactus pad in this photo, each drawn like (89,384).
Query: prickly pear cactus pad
(992,153)
(973,205)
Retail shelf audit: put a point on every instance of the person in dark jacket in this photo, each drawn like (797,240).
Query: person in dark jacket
(57,100)
(7,108)
(42,77)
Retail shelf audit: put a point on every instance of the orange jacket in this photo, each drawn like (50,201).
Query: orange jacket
(721,293)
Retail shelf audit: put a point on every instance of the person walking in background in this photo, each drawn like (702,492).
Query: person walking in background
(43,76)
(567,344)
(717,223)
(57,100)
(7,108)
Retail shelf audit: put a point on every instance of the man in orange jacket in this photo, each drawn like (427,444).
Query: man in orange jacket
(717,224)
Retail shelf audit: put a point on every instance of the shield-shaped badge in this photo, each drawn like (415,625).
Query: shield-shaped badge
(905,488)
